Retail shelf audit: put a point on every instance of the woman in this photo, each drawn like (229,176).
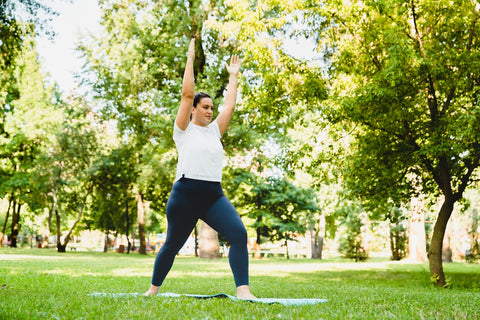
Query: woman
(197,192)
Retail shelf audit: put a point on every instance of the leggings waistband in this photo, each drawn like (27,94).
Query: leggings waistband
(199,183)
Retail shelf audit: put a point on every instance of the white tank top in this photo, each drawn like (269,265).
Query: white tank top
(200,152)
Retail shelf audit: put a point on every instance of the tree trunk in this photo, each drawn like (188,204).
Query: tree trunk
(60,247)
(6,221)
(127,228)
(196,241)
(46,233)
(317,233)
(129,244)
(435,252)
(141,224)
(286,247)
(317,247)
(398,239)
(105,242)
(79,216)
(15,224)
(49,221)
(208,244)
(257,254)
(447,252)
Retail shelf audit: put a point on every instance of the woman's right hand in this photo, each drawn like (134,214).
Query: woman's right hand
(191,49)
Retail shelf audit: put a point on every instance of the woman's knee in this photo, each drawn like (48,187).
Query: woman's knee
(238,235)
(170,249)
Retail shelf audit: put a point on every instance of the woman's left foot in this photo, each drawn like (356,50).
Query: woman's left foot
(243,292)
(149,293)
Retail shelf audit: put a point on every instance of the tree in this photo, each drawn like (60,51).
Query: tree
(112,200)
(208,244)
(277,209)
(18,17)
(65,167)
(404,77)
(286,204)
(313,162)
(354,217)
(27,113)
(18,22)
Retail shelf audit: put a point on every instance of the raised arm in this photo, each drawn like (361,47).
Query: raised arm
(188,90)
(225,116)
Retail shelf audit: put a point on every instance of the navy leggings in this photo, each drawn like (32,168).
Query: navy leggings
(189,201)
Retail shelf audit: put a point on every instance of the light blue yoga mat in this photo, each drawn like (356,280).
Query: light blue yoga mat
(283,301)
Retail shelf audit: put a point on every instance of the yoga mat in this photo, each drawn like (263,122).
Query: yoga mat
(283,301)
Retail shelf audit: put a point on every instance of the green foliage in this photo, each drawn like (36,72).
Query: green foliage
(9,50)
(353,245)
(28,117)
(398,233)
(114,205)
(380,80)
(278,209)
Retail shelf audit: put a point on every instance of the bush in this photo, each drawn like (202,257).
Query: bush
(352,247)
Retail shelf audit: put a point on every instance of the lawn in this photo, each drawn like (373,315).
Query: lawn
(43,284)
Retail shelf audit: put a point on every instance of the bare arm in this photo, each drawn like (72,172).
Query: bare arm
(225,116)
(188,90)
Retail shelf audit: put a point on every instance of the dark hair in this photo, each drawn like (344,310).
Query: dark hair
(198,97)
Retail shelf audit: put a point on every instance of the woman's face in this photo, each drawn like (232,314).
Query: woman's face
(203,113)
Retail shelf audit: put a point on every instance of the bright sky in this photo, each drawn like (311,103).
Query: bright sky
(58,56)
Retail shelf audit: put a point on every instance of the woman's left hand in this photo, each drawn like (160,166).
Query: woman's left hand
(234,67)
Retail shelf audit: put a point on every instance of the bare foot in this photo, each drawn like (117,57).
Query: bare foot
(152,291)
(243,292)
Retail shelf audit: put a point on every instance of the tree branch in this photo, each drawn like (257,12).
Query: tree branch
(465,179)
(431,95)
(409,139)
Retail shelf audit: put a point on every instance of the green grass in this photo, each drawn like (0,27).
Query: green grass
(43,284)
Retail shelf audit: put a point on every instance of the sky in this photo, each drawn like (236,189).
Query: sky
(58,56)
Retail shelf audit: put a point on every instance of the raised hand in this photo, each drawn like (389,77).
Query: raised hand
(234,67)
(191,49)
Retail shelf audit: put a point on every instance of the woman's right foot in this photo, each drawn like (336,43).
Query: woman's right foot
(152,291)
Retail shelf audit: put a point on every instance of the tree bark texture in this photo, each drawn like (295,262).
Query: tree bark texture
(435,252)
(317,234)
(60,247)
(256,248)
(208,244)
(447,251)
(15,224)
